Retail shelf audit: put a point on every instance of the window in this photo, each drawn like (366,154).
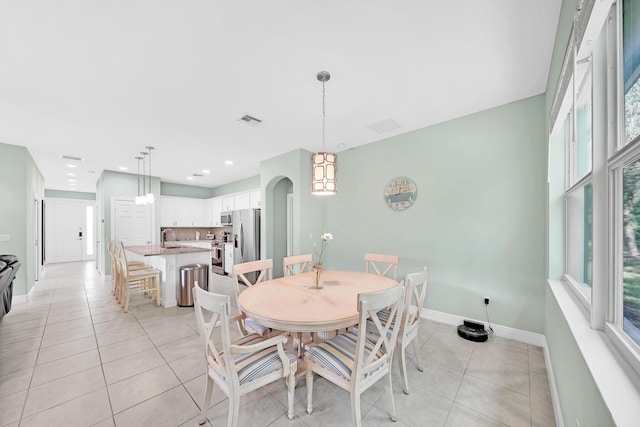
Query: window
(631,68)
(577,130)
(579,235)
(598,112)
(631,252)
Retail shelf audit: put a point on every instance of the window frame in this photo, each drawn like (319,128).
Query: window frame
(604,300)
(620,154)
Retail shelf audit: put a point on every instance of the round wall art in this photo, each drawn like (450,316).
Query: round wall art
(400,193)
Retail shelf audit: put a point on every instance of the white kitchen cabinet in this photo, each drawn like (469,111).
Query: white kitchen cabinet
(228,203)
(208,213)
(228,258)
(181,212)
(190,212)
(256,199)
(167,212)
(242,201)
(216,210)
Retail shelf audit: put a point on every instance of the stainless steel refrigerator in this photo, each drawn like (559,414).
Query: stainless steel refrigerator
(246,238)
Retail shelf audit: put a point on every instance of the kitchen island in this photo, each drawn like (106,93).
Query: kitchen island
(169,260)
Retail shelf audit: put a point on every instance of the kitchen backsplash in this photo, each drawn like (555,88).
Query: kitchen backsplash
(191,233)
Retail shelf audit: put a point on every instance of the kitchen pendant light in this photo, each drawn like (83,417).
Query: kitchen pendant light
(150,198)
(323,164)
(140,199)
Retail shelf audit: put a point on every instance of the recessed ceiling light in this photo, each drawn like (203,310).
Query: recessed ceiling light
(71,180)
(69,165)
(342,145)
(206,171)
(190,178)
(71,174)
(228,162)
(123,168)
(72,185)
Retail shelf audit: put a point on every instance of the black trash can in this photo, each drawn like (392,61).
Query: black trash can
(189,275)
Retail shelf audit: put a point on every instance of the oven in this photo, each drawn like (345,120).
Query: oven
(217,257)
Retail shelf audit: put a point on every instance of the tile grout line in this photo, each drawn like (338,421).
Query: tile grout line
(26,397)
(36,364)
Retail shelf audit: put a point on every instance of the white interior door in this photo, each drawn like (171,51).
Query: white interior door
(133,225)
(65,230)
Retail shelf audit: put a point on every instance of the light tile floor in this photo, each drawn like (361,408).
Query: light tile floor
(70,356)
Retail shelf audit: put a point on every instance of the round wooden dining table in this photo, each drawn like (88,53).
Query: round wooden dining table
(294,304)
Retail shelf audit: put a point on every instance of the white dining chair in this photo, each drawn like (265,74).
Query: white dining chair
(263,270)
(297,264)
(137,279)
(415,290)
(354,362)
(241,366)
(384,265)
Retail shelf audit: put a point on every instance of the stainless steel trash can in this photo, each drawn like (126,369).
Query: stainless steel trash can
(189,275)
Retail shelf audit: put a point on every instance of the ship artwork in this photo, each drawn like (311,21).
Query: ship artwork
(400,193)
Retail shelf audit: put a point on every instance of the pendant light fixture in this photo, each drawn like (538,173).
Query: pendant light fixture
(150,198)
(140,198)
(323,164)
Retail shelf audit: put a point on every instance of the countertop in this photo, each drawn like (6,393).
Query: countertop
(155,250)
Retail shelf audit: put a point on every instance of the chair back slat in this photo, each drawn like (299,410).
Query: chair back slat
(297,264)
(383,265)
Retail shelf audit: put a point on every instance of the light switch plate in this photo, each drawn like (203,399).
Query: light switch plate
(5,237)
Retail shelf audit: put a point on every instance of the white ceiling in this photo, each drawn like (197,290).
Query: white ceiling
(102,79)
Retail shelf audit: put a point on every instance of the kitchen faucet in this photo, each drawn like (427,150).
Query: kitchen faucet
(163,235)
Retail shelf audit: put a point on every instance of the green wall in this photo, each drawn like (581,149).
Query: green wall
(250,183)
(181,190)
(478,220)
(59,194)
(20,182)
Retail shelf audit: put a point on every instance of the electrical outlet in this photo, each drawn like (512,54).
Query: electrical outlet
(486,300)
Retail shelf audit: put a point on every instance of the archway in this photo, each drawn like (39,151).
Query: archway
(278,214)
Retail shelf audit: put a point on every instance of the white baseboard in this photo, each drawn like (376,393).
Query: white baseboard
(555,397)
(499,330)
(19,299)
(512,334)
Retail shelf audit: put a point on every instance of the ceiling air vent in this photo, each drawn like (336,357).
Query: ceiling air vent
(250,120)
(385,126)
(77,159)
(197,175)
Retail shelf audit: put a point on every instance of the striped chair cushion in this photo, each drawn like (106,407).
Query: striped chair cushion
(251,366)
(338,353)
(254,327)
